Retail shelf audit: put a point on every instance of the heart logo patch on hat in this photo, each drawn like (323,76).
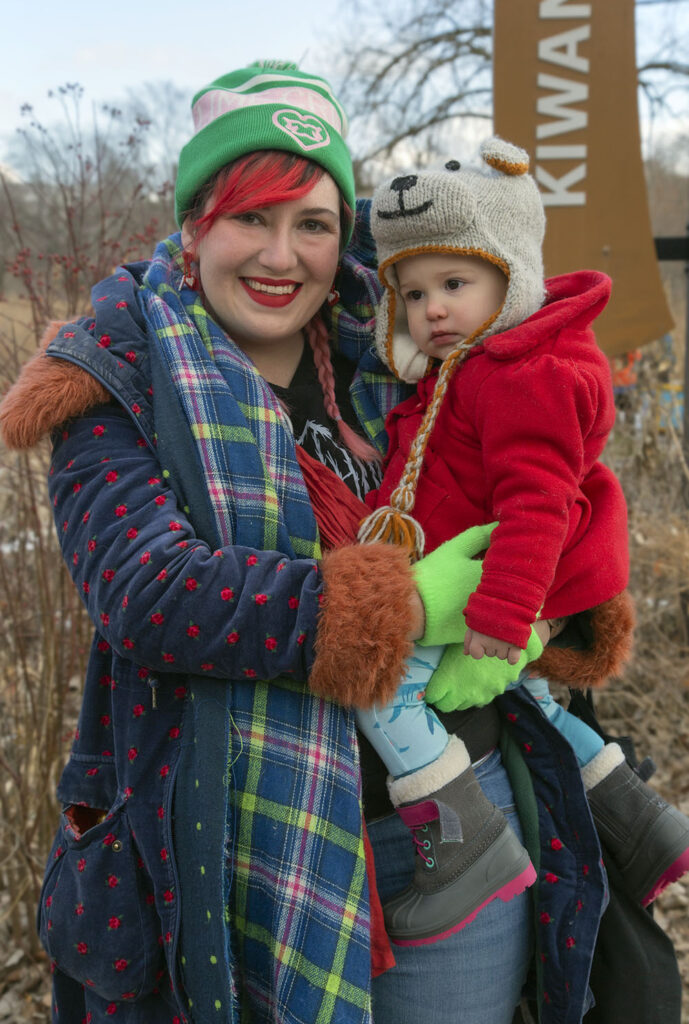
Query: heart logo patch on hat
(307,130)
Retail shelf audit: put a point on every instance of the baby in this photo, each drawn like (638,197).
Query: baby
(512,409)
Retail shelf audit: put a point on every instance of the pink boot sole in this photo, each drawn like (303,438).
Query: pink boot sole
(675,871)
(506,893)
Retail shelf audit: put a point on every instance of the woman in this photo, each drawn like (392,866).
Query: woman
(210,863)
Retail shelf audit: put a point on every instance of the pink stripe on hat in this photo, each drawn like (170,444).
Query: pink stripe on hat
(216,102)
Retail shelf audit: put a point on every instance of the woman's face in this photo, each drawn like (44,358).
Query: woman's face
(266,272)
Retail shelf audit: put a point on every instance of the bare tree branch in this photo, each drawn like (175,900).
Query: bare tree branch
(418,69)
(672,67)
(427,68)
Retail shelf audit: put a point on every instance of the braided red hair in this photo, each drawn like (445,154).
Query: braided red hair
(317,335)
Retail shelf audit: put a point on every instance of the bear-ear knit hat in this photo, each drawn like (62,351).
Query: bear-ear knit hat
(493,211)
(268,105)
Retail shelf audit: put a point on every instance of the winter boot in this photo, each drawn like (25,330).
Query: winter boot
(648,838)
(467,854)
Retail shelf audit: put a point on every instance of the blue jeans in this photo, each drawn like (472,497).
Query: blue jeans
(476,975)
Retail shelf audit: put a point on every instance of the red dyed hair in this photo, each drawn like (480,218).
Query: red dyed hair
(263,178)
(266,178)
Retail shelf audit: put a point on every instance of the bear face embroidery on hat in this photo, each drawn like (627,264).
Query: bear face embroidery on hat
(400,186)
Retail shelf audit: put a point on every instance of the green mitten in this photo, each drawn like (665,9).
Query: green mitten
(445,580)
(461,682)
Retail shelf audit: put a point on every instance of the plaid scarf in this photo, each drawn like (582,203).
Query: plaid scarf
(256,491)
(268,839)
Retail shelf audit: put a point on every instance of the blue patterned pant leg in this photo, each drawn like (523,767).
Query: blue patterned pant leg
(583,740)
(406,733)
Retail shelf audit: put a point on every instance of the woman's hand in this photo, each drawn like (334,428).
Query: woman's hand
(445,579)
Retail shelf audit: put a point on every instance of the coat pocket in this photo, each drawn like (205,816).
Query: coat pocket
(96,916)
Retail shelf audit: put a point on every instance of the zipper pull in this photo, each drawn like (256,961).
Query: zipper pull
(154,682)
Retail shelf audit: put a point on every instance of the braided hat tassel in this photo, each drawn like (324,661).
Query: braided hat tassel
(393,524)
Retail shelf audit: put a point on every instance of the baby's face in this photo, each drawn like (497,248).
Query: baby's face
(448,298)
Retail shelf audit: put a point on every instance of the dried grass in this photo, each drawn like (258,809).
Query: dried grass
(651,702)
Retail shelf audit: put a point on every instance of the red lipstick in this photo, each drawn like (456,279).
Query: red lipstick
(266,296)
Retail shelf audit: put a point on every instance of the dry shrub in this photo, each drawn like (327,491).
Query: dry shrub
(78,211)
(651,702)
(45,635)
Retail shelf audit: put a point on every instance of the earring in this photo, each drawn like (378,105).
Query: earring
(189,278)
(333,294)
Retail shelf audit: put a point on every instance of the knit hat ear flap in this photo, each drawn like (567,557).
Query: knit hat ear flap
(394,343)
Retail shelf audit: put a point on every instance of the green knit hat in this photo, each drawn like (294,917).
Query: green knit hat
(269,105)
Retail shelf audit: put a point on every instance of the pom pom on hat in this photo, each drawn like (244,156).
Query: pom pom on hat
(277,65)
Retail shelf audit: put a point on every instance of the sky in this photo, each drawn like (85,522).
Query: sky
(109,46)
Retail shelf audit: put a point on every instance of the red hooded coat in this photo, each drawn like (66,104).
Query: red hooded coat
(517,440)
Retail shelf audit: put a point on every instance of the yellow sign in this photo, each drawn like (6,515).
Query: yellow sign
(565,89)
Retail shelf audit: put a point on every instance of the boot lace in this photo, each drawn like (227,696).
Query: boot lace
(423,844)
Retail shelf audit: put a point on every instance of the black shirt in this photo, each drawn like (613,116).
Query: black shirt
(316,432)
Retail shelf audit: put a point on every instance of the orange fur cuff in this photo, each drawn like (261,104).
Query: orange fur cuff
(611,625)
(48,393)
(366,618)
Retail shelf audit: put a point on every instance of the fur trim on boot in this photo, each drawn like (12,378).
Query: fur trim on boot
(364,624)
(417,785)
(599,767)
(48,393)
(610,627)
